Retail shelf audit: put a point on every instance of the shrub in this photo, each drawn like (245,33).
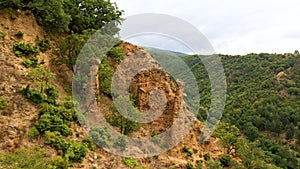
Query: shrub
(121,143)
(26,159)
(105,77)
(34,95)
(207,157)
(198,164)
(130,162)
(187,150)
(30,62)
(225,160)
(2,103)
(33,132)
(89,143)
(189,165)
(52,123)
(116,54)
(62,144)
(44,45)
(51,138)
(3,33)
(24,49)
(52,94)
(76,152)
(60,163)
(20,34)
(101,136)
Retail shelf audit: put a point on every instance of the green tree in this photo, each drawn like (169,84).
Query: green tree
(105,75)
(91,14)
(116,119)
(51,14)
(290,132)
(69,48)
(41,76)
(228,135)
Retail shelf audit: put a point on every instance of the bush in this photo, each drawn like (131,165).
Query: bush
(20,34)
(105,77)
(33,133)
(30,62)
(225,160)
(130,162)
(51,137)
(121,143)
(52,123)
(44,45)
(52,94)
(76,152)
(60,163)
(207,157)
(187,150)
(101,136)
(116,54)
(189,165)
(2,103)
(3,33)
(26,159)
(89,143)
(24,49)
(34,95)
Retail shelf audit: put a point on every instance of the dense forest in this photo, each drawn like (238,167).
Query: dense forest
(263,97)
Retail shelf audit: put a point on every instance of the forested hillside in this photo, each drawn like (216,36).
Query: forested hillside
(263,98)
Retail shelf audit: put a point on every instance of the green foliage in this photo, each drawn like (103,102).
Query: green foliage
(189,165)
(3,33)
(89,143)
(34,95)
(14,4)
(49,122)
(92,14)
(30,62)
(51,137)
(68,15)
(101,136)
(44,45)
(121,143)
(105,76)
(51,14)
(20,35)
(2,103)
(116,54)
(33,132)
(130,162)
(52,94)
(228,135)
(76,152)
(41,76)
(225,160)
(199,164)
(187,150)
(116,119)
(60,163)
(213,165)
(69,48)
(24,49)
(26,159)
(206,157)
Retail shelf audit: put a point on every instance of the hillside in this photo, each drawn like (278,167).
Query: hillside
(39,127)
(19,115)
